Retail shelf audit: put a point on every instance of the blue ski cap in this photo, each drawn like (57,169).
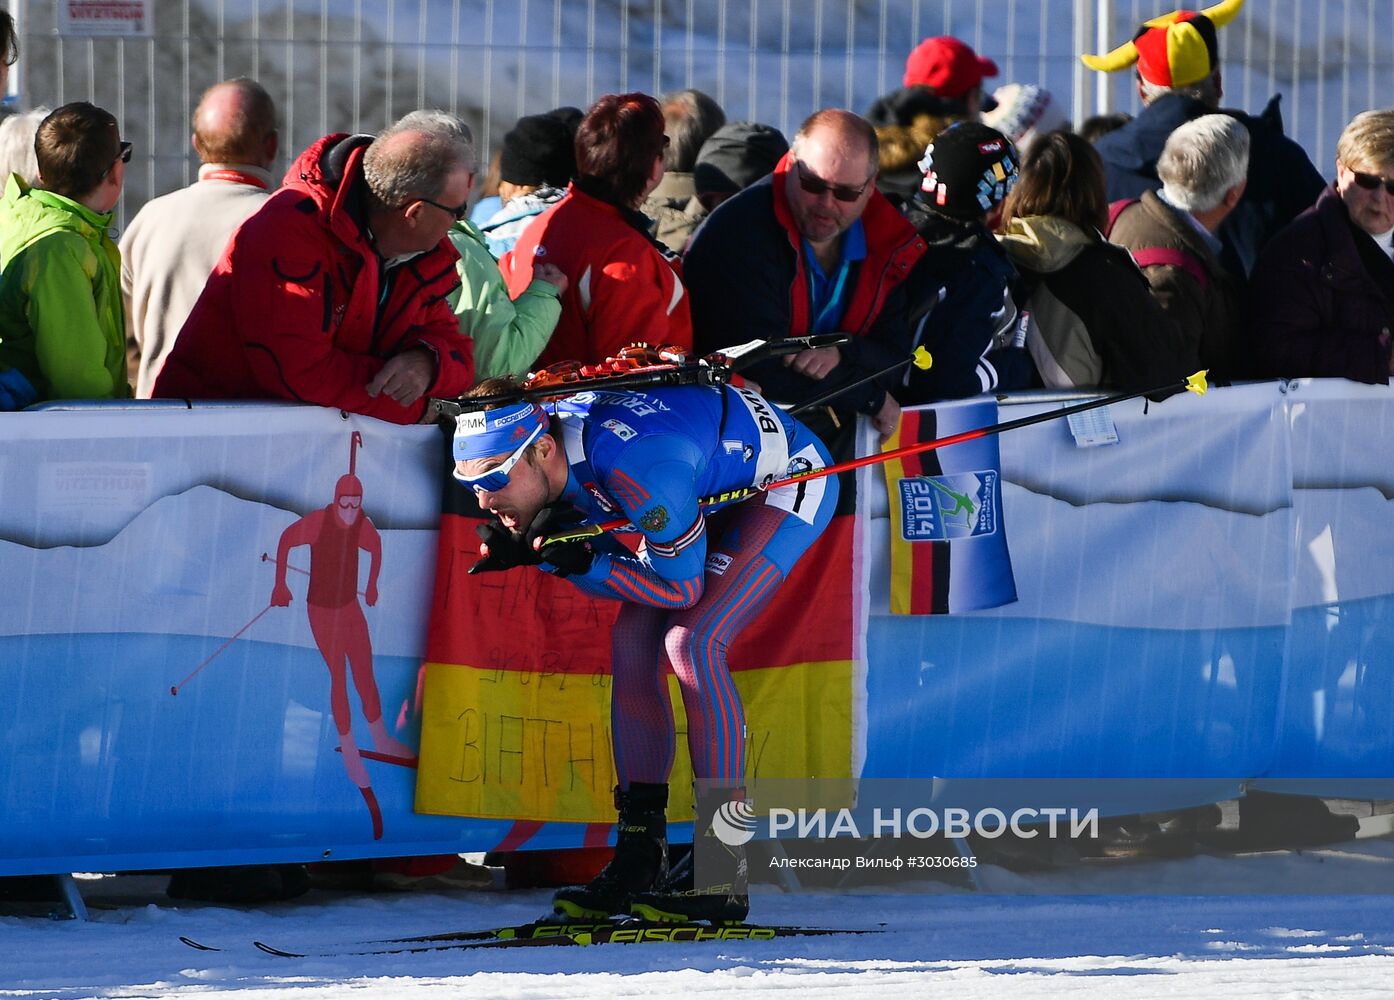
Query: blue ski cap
(495,432)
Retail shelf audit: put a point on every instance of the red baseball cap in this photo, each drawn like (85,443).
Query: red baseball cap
(947,66)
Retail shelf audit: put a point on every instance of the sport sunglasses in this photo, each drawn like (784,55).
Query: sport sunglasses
(817,186)
(497,477)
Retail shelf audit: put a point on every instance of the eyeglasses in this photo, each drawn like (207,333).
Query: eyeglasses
(1371,181)
(459,213)
(497,478)
(124,156)
(816,186)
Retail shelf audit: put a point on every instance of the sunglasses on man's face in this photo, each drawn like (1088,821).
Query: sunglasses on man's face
(816,186)
(1371,181)
(459,211)
(124,156)
(496,478)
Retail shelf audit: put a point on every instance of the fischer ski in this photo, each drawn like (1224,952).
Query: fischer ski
(563,933)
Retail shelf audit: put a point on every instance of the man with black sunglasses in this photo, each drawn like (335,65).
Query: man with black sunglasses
(1323,291)
(62,326)
(813,248)
(334,291)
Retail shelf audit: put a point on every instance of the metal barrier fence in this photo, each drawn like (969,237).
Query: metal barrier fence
(356,65)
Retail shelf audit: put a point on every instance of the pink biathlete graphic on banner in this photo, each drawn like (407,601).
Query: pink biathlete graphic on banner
(336,534)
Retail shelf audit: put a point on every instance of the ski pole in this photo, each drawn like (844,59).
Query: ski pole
(921,359)
(174,691)
(266,557)
(1195,383)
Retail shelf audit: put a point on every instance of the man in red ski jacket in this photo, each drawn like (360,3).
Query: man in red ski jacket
(334,291)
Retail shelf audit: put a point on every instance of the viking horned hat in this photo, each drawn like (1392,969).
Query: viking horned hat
(1173,50)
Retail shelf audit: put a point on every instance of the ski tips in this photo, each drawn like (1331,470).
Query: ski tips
(1196,383)
(922,359)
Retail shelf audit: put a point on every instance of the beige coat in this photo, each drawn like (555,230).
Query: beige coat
(167,253)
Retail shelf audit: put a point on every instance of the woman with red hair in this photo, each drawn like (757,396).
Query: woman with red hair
(624,285)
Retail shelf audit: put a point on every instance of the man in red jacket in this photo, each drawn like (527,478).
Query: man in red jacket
(334,291)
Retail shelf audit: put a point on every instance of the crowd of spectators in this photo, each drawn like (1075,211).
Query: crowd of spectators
(978,225)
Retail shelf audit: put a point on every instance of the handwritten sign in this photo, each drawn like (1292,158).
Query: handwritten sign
(516,701)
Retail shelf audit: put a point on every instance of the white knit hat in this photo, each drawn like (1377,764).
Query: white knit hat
(1025,111)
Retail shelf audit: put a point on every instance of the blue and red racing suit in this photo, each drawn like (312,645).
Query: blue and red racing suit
(700,576)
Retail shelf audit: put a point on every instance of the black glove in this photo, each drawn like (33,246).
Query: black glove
(565,557)
(505,551)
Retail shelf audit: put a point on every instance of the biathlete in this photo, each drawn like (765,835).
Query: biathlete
(698,578)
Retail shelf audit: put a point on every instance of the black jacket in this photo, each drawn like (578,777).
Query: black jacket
(1282,180)
(1092,319)
(1321,307)
(958,301)
(746,274)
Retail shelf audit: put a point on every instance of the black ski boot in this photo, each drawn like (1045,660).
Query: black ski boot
(640,861)
(716,887)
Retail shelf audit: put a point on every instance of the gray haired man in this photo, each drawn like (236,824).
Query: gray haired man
(334,291)
(1172,236)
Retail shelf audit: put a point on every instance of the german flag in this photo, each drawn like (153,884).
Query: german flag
(948,542)
(516,700)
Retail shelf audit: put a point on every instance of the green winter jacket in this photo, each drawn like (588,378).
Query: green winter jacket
(61,319)
(508,336)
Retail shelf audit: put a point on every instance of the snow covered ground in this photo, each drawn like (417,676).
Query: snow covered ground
(1284,924)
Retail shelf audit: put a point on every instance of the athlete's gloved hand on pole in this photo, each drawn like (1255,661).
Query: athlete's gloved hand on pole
(565,558)
(505,550)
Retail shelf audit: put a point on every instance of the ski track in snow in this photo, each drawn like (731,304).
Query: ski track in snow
(937,941)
